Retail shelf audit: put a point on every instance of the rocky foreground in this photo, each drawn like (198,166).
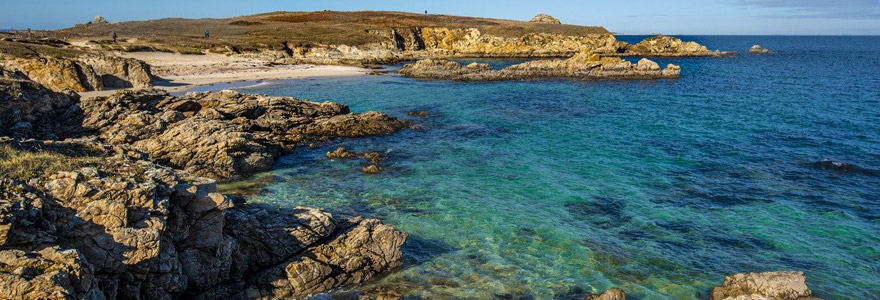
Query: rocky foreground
(125,210)
(581,66)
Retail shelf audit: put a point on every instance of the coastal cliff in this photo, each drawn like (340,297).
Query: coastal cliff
(105,214)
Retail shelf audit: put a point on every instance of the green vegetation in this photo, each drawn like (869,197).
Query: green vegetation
(24,165)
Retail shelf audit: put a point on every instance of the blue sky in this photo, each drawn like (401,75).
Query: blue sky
(633,16)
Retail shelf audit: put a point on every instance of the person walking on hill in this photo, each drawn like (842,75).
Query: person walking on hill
(114,36)
(207,34)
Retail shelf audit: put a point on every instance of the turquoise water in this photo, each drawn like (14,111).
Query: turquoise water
(545,188)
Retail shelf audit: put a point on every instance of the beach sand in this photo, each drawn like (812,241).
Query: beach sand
(180,73)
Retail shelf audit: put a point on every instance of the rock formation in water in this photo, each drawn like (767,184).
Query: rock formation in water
(545,19)
(125,227)
(223,135)
(666,46)
(610,294)
(582,66)
(757,49)
(784,285)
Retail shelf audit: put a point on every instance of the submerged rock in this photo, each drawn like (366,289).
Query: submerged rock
(783,285)
(545,18)
(610,294)
(582,66)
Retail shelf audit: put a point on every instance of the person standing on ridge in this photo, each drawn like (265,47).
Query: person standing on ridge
(207,34)
(114,36)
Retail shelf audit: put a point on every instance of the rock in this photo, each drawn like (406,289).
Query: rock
(90,72)
(30,110)
(784,285)
(546,19)
(99,20)
(371,169)
(610,294)
(340,153)
(581,66)
(757,49)
(422,113)
(667,46)
(224,135)
(50,273)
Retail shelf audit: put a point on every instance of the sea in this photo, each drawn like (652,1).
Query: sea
(552,189)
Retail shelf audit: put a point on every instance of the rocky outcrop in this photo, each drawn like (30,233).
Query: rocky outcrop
(224,135)
(784,285)
(610,294)
(30,110)
(582,66)
(545,18)
(91,72)
(666,46)
(757,49)
(130,229)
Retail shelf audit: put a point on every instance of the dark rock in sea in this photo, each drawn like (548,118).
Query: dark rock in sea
(843,168)
(757,49)
(341,153)
(783,285)
(582,66)
(420,113)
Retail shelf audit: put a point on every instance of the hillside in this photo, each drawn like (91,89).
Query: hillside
(322,27)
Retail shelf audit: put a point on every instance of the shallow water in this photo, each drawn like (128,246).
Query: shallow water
(542,188)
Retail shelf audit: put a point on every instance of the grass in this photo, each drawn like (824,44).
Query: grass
(24,165)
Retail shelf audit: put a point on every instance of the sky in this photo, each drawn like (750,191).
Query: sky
(802,17)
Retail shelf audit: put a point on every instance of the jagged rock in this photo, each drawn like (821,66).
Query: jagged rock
(582,66)
(50,273)
(223,135)
(119,72)
(669,47)
(545,18)
(610,294)
(371,169)
(25,217)
(784,285)
(757,49)
(340,153)
(31,110)
(90,72)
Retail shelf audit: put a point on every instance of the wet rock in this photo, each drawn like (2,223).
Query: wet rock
(581,66)
(545,18)
(610,294)
(371,169)
(784,285)
(843,168)
(757,49)
(420,113)
(341,153)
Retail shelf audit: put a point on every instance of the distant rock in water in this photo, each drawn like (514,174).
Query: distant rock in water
(757,49)
(546,19)
(668,46)
(843,168)
(783,285)
(585,65)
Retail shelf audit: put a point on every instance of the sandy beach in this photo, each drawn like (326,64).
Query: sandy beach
(183,72)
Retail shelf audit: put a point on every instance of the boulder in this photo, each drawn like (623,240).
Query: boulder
(30,110)
(48,274)
(99,20)
(610,294)
(784,285)
(545,18)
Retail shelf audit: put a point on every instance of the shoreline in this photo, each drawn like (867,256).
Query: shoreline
(181,73)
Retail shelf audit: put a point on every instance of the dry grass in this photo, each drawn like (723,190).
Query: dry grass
(270,29)
(24,165)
